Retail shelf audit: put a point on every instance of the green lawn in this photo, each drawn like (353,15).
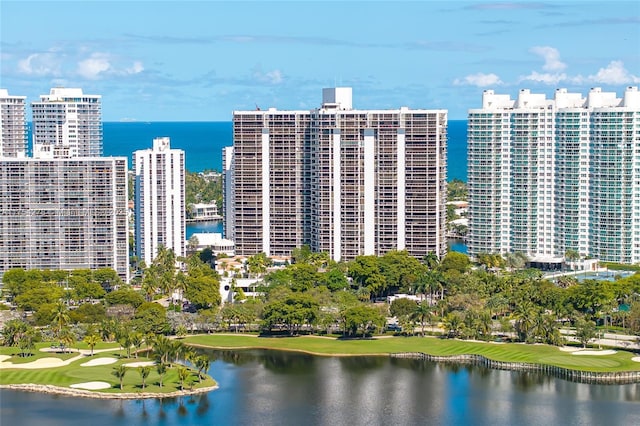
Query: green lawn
(75,373)
(36,353)
(507,352)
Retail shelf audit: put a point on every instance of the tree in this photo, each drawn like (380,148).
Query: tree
(257,264)
(151,317)
(293,311)
(421,312)
(66,337)
(162,349)
(572,256)
(13,331)
(453,324)
(28,341)
(454,261)
(124,337)
(400,270)
(516,260)
(120,372)
(137,339)
(161,368)
(92,340)
(431,260)
(361,319)
(181,331)
(402,307)
(525,314)
(88,313)
(124,297)
(203,291)
(61,316)
(585,331)
(88,290)
(202,364)
(144,373)
(183,374)
(193,243)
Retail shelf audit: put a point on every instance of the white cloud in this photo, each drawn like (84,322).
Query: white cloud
(100,65)
(136,68)
(92,68)
(551,58)
(479,80)
(40,64)
(546,78)
(271,77)
(614,73)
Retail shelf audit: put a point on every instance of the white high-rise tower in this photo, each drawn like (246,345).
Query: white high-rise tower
(159,200)
(550,175)
(13,125)
(66,124)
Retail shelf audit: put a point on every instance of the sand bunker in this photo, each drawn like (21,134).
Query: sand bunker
(568,349)
(3,357)
(140,364)
(99,361)
(91,385)
(636,359)
(40,363)
(605,352)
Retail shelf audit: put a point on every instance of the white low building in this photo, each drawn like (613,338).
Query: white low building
(215,242)
(203,212)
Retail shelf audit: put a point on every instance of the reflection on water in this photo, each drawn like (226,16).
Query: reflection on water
(288,388)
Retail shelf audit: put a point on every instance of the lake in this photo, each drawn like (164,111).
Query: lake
(260,387)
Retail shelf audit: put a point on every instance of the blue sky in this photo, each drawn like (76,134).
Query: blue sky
(200,60)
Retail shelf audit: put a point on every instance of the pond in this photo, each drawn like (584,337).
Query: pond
(285,388)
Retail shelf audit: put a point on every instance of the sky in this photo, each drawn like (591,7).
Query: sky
(201,60)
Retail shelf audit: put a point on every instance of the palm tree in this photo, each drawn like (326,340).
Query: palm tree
(124,336)
(67,337)
(202,364)
(13,331)
(92,340)
(421,312)
(137,338)
(119,372)
(60,316)
(181,331)
(483,324)
(149,280)
(571,256)
(27,341)
(431,260)
(144,373)
(525,314)
(453,324)
(161,368)
(108,329)
(162,350)
(183,374)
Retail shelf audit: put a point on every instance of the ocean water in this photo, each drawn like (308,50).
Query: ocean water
(203,142)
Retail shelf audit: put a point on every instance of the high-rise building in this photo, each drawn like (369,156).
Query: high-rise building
(343,181)
(228,200)
(13,125)
(66,124)
(64,214)
(550,175)
(159,200)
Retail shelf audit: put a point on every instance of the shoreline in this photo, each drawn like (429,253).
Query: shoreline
(569,374)
(59,390)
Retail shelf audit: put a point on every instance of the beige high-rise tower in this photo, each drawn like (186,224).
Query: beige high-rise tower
(343,181)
